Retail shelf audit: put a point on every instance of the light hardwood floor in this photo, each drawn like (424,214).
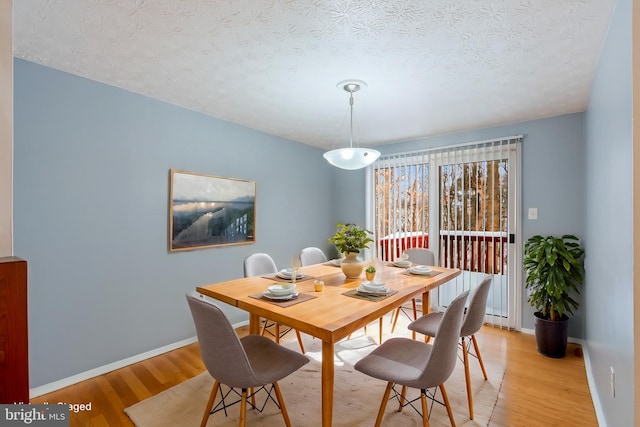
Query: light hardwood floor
(536,391)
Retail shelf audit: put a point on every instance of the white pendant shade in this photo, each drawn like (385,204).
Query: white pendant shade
(351,158)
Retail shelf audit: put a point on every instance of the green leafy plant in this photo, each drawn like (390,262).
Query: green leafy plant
(371,269)
(351,238)
(554,269)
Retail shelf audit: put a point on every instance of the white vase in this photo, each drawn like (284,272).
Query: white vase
(351,265)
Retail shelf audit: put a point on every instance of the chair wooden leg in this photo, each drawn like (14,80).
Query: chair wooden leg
(445,398)
(415,316)
(475,346)
(396,313)
(395,319)
(425,411)
(243,408)
(283,408)
(300,341)
(264,327)
(212,397)
(383,405)
(403,393)
(467,376)
(253,397)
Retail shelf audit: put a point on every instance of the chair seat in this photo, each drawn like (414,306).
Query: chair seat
(244,363)
(427,324)
(312,255)
(473,320)
(270,361)
(256,265)
(399,360)
(416,364)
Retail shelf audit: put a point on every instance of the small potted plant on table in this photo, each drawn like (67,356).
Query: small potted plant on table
(370,273)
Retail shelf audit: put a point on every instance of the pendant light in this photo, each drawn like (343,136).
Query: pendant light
(351,158)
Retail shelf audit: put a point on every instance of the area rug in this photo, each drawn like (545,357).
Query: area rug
(357,397)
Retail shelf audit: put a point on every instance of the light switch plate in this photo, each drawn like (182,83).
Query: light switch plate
(533,213)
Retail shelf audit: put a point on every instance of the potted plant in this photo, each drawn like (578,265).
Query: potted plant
(350,240)
(554,272)
(370,273)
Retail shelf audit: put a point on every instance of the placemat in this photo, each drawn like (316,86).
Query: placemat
(354,294)
(286,303)
(282,279)
(433,273)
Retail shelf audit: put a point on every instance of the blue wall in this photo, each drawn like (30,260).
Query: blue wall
(91,215)
(609,222)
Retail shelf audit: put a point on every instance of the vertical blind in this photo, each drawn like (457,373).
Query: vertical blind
(455,201)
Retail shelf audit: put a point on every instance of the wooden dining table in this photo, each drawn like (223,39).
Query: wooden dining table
(329,315)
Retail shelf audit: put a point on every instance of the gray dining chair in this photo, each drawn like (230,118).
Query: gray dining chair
(419,256)
(473,320)
(243,363)
(312,255)
(259,264)
(416,364)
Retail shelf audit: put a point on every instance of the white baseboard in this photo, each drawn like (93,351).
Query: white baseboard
(527,331)
(101,370)
(65,382)
(602,421)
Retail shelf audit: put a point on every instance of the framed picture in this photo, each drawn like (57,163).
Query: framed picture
(206,211)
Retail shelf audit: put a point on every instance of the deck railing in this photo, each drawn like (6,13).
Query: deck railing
(475,251)
(391,247)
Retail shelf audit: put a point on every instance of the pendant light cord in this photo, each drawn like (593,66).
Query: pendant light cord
(351,119)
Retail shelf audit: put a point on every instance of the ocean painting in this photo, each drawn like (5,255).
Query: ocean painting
(207,210)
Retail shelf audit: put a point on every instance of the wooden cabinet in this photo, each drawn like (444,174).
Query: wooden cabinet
(14,356)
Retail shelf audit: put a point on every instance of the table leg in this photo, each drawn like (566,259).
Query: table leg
(426,303)
(426,306)
(327,383)
(254,324)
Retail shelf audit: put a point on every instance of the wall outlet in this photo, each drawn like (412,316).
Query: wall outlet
(613,383)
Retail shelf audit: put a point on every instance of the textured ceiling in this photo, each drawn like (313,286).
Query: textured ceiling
(432,66)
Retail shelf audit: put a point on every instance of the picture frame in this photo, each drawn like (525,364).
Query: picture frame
(207,211)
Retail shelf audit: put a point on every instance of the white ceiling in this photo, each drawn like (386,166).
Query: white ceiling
(432,66)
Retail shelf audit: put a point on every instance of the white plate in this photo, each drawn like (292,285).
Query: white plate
(287,273)
(420,269)
(373,286)
(337,262)
(282,290)
(402,263)
(380,291)
(269,295)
